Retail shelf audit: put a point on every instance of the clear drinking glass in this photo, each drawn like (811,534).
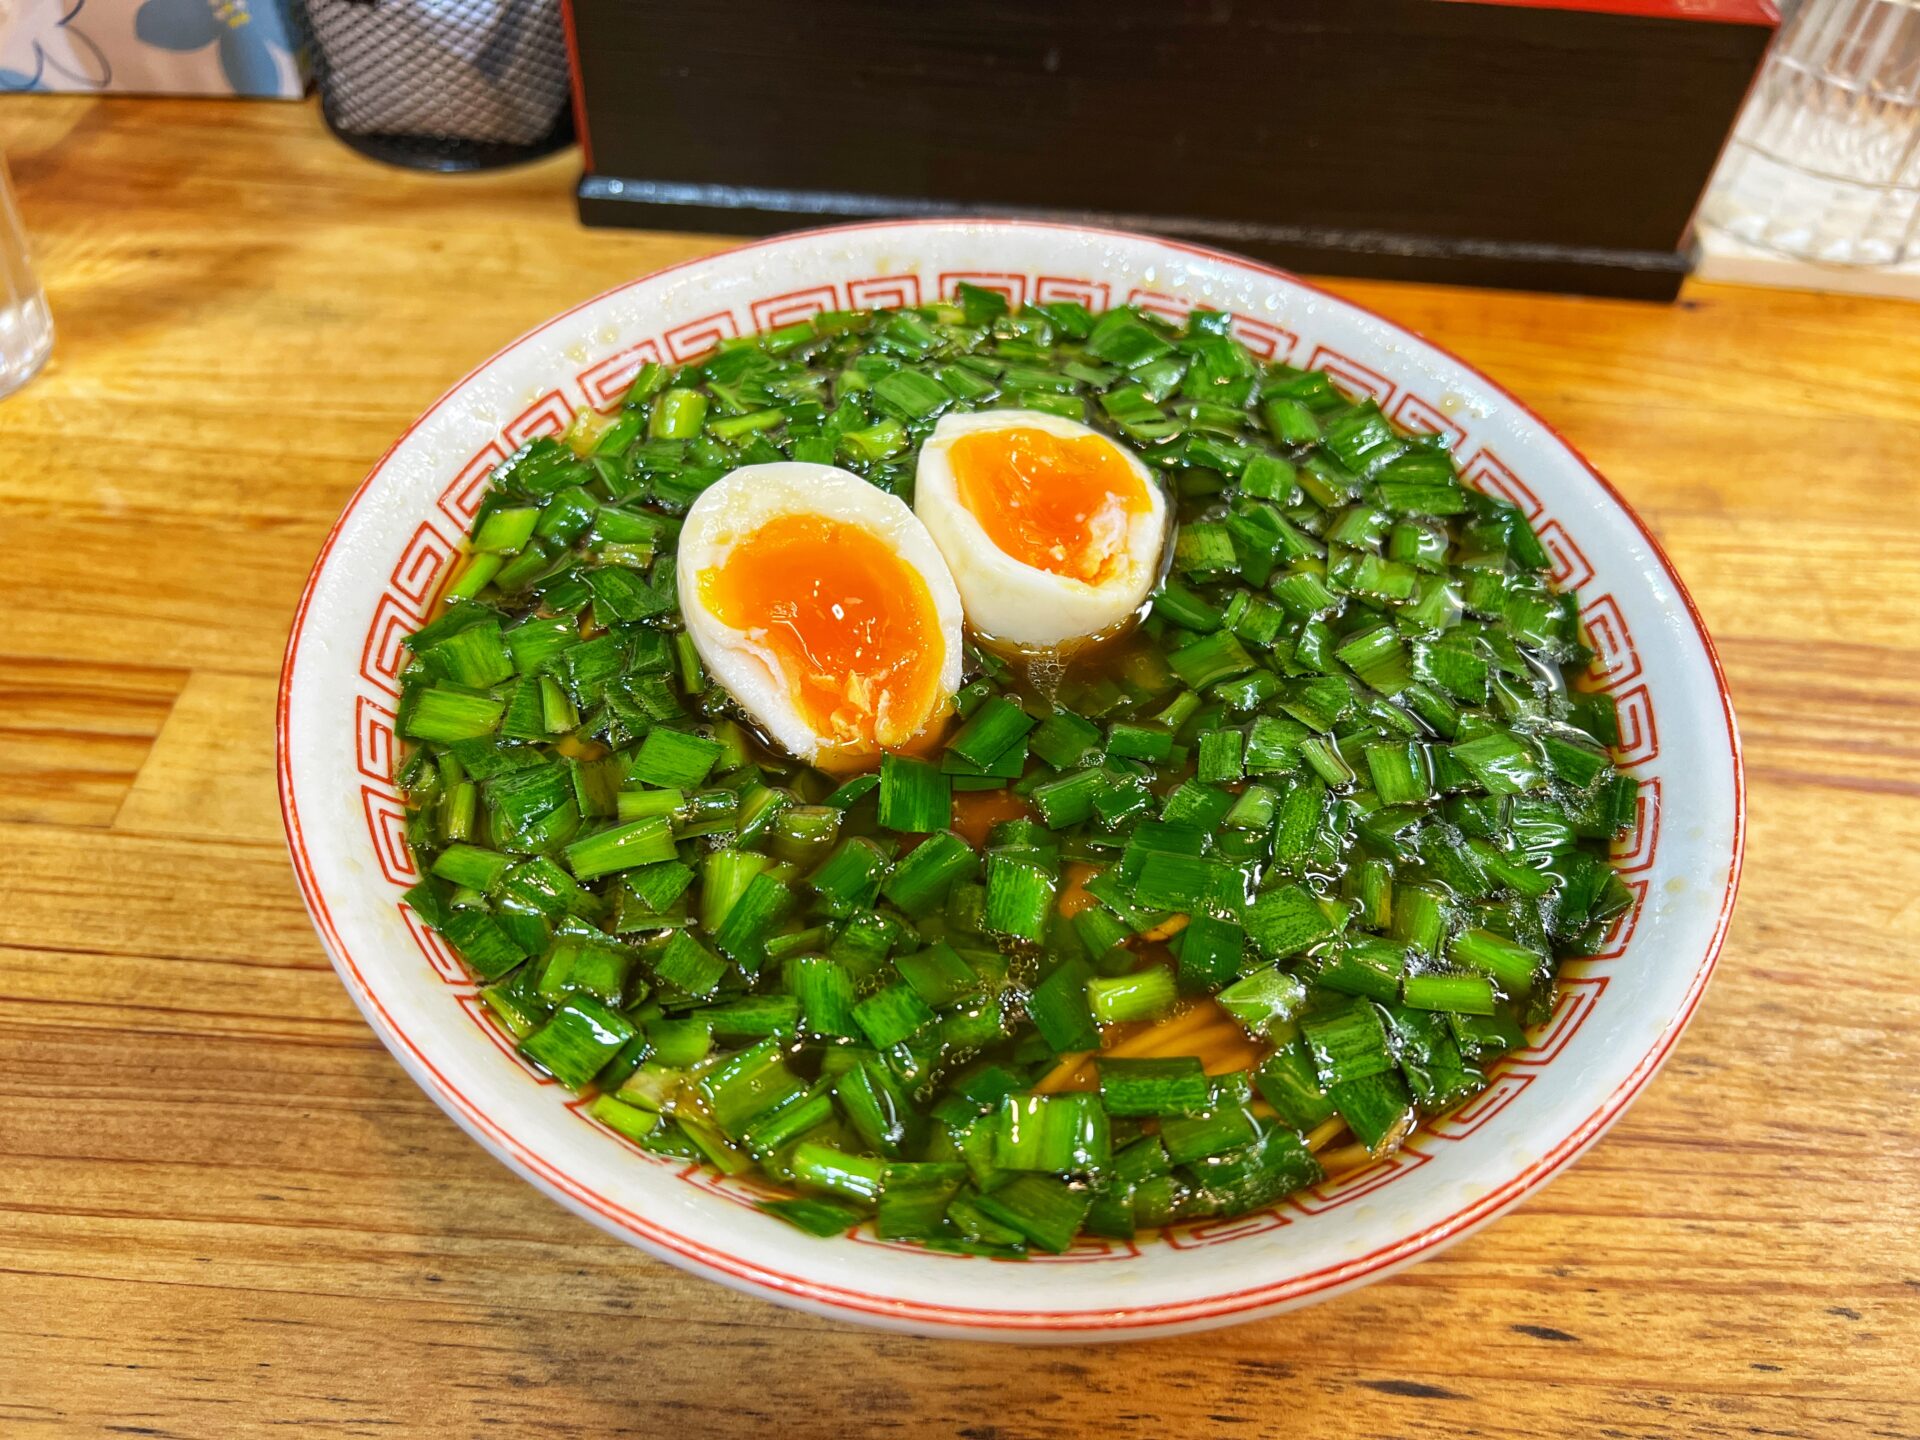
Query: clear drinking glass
(1825,162)
(26,327)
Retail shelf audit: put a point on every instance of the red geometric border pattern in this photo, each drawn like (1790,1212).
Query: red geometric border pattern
(1172,308)
(460,501)
(1013,287)
(549,415)
(696,337)
(1615,661)
(740,1189)
(380,657)
(1268,341)
(421,564)
(1504,1085)
(605,382)
(1416,414)
(1486,473)
(1354,378)
(1639,736)
(880,292)
(866,1235)
(1220,1232)
(1332,1194)
(425,562)
(1572,1006)
(476,1011)
(387,822)
(1633,852)
(373,749)
(777,310)
(439,954)
(1614,944)
(1053,289)
(1089,1249)
(1571,570)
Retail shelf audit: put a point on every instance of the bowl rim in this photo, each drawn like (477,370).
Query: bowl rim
(1219,1308)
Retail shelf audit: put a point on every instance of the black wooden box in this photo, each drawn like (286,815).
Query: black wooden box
(1519,143)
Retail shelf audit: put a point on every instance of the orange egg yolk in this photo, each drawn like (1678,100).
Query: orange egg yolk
(1060,503)
(851,625)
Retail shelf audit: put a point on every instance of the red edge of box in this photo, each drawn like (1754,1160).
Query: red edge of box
(577,85)
(1726,12)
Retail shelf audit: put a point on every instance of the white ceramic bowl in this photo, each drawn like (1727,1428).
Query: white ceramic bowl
(1620,1011)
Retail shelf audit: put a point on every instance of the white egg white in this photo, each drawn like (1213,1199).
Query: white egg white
(1006,599)
(739,504)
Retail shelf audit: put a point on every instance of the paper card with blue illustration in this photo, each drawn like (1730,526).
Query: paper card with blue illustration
(154,47)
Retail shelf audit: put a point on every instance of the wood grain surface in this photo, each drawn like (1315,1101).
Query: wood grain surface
(225,1212)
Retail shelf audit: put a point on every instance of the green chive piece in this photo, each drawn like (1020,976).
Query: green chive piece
(1154,1087)
(1462,994)
(822,1218)
(1264,999)
(1070,799)
(892,1015)
(1346,1044)
(1287,1080)
(1210,952)
(1019,897)
(1287,920)
(914,1200)
(1376,1107)
(1045,1210)
(1222,756)
(742,935)
(1510,964)
(938,975)
(1065,740)
(1225,1125)
(920,881)
(689,965)
(990,731)
(1139,742)
(1060,1011)
(581,1037)
(1143,995)
(853,1177)
(1362,965)
(673,758)
(1500,761)
(677,415)
(915,797)
(1219,656)
(621,847)
(471,866)
(1064,1134)
(443,716)
(623,1119)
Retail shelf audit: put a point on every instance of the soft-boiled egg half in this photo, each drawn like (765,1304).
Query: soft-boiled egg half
(824,608)
(1053,531)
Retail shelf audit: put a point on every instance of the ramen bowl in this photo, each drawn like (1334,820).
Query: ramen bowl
(1619,1011)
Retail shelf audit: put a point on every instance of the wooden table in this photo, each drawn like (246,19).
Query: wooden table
(226,1210)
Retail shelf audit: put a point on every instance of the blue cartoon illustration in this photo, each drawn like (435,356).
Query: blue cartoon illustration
(244,47)
(41,47)
(248,37)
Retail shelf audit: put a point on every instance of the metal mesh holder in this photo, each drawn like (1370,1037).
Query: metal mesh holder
(443,84)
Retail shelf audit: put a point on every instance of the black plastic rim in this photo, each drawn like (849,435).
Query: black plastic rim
(448,154)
